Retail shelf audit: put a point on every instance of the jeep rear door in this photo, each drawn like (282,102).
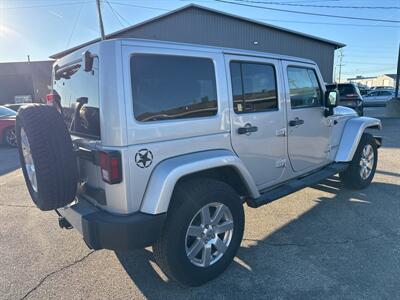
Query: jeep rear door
(79,102)
(308,128)
(257,113)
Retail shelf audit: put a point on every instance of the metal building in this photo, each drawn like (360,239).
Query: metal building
(201,25)
(25,81)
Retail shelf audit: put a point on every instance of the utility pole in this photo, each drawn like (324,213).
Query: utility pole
(340,56)
(396,95)
(100,20)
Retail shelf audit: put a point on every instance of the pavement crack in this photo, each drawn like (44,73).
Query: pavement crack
(317,243)
(55,272)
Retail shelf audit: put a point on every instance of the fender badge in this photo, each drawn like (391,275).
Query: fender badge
(144,158)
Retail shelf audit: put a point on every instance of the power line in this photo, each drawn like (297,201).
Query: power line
(117,15)
(333,24)
(75,23)
(307,13)
(277,20)
(45,5)
(139,6)
(320,6)
(368,63)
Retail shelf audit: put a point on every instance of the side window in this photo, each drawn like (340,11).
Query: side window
(304,88)
(166,87)
(253,87)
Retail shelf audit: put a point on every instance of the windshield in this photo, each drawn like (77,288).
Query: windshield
(79,94)
(6,112)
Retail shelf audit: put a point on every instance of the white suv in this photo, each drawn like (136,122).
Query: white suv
(157,143)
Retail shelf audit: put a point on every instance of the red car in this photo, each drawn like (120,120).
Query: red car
(7,127)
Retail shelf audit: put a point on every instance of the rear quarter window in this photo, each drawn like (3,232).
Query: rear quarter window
(166,87)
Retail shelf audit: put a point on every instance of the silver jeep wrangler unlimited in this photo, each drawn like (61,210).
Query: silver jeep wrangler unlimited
(148,143)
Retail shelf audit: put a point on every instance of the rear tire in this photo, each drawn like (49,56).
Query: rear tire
(362,169)
(46,155)
(175,249)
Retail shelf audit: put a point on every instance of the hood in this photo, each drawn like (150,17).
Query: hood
(8,118)
(344,111)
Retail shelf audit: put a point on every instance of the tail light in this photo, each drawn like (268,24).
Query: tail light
(111,167)
(49,99)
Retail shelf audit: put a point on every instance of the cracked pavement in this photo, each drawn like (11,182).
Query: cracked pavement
(321,242)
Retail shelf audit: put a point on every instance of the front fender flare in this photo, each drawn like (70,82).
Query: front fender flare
(352,132)
(167,173)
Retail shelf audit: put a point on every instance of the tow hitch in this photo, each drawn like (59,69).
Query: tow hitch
(62,222)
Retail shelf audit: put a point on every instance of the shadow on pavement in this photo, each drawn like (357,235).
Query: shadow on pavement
(388,173)
(345,246)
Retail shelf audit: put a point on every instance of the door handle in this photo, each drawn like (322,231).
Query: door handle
(296,122)
(247,129)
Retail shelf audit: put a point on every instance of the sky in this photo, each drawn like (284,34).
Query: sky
(39,28)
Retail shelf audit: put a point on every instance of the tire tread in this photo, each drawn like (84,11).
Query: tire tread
(52,152)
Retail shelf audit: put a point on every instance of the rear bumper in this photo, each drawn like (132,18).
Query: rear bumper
(103,230)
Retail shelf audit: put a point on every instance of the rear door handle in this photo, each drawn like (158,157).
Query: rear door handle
(247,129)
(296,122)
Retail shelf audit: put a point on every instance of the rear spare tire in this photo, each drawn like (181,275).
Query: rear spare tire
(46,155)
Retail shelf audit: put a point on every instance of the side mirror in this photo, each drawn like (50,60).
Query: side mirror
(332,98)
(331,101)
(87,61)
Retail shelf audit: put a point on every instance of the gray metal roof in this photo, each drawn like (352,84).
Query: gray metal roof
(115,34)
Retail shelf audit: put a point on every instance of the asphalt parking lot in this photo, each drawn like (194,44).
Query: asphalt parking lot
(321,242)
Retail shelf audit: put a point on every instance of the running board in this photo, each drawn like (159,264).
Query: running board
(296,184)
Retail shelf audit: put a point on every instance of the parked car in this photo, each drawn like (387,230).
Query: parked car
(363,91)
(382,88)
(350,96)
(166,142)
(15,106)
(378,97)
(7,127)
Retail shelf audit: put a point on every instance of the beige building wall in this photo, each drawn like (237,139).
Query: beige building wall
(382,80)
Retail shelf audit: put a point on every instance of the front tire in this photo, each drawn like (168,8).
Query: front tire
(363,166)
(203,231)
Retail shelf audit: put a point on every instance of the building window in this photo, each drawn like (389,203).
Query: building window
(253,87)
(167,87)
(304,88)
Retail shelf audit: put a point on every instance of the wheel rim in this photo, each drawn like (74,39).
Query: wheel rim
(28,160)
(366,161)
(209,234)
(11,137)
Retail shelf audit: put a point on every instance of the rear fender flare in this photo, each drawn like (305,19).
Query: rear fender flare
(167,173)
(352,132)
